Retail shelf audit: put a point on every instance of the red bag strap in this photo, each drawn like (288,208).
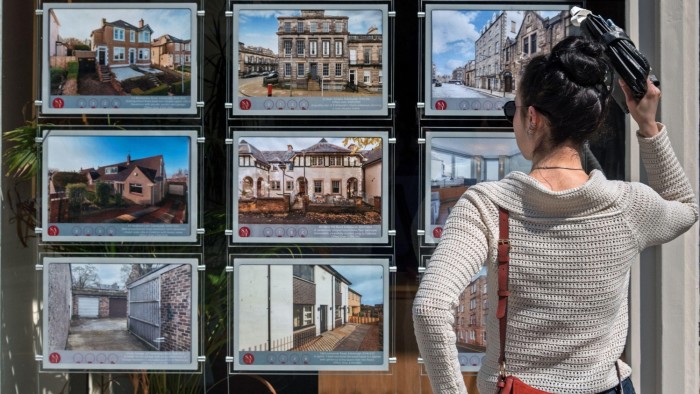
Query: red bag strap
(503,260)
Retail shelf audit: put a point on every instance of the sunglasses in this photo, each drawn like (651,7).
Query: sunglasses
(509,110)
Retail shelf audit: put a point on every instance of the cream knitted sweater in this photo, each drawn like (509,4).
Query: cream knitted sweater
(569,272)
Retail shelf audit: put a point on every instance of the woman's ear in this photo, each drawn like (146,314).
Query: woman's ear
(534,118)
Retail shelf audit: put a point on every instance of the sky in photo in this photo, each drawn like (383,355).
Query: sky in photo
(108,273)
(279,143)
(258,28)
(72,153)
(80,22)
(454,34)
(368,280)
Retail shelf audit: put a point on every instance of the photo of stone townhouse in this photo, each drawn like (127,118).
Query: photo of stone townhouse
(117,179)
(120,51)
(98,306)
(482,53)
(304,180)
(310,52)
(309,307)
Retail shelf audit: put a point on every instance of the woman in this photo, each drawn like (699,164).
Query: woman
(573,237)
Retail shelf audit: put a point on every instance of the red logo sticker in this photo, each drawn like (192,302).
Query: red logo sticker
(437,232)
(245,104)
(54,358)
(440,105)
(58,103)
(53,231)
(244,232)
(248,358)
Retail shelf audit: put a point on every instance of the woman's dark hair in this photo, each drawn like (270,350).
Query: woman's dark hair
(570,87)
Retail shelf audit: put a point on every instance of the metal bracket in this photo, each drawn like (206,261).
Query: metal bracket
(228,232)
(229,359)
(39,140)
(420,360)
(391,14)
(228,105)
(38,230)
(391,105)
(201,268)
(38,358)
(200,140)
(421,141)
(421,14)
(391,233)
(393,269)
(229,268)
(420,105)
(392,360)
(228,141)
(38,12)
(201,12)
(392,140)
(39,267)
(38,103)
(200,104)
(200,231)
(228,14)
(420,232)
(201,359)
(421,269)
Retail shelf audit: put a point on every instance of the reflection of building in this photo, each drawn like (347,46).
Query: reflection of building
(285,306)
(323,172)
(119,43)
(160,307)
(470,320)
(171,52)
(255,59)
(141,181)
(354,302)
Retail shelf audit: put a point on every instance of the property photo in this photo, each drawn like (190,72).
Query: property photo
(309,180)
(96,311)
(310,308)
(118,179)
(458,160)
(470,322)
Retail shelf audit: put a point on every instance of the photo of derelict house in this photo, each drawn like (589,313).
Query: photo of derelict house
(310,180)
(120,51)
(309,52)
(310,307)
(93,306)
(117,179)
(479,53)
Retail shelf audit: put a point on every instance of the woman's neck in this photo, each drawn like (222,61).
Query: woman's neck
(559,169)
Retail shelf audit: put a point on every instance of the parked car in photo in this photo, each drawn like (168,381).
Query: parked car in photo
(272,77)
(438,84)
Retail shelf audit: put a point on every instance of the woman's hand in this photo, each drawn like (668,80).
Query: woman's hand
(643,111)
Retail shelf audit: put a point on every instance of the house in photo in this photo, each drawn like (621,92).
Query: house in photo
(354,302)
(366,59)
(56,45)
(282,307)
(323,173)
(121,44)
(159,307)
(252,59)
(171,52)
(141,181)
(489,46)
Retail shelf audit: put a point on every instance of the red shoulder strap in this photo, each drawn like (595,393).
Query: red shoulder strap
(503,259)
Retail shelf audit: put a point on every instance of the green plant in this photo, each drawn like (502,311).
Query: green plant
(103,192)
(72,70)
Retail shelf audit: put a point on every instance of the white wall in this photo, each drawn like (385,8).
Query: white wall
(324,296)
(282,307)
(252,307)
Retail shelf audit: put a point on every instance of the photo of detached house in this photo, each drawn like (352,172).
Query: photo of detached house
(309,180)
(128,307)
(117,179)
(120,51)
(310,307)
(309,52)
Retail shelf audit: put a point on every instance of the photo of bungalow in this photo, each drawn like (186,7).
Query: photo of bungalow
(145,307)
(130,190)
(121,55)
(308,307)
(313,180)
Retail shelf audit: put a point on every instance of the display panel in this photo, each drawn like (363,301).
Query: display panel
(475,53)
(320,186)
(119,58)
(120,313)
(454,161)
(119,185)
(311,314)
(310,59)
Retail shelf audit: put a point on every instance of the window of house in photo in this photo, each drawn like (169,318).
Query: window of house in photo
(275,185)
(533,43)
(368,55)
(287,27)
(289,186)
(118,34)
(288,47)
(313,48)
(300,48)
(472,288)
(144,54)
(486,304)
(326,48)
(300,70)
(287,69)
(485,288)
(132,36)
(339,48)
(305,272)
(339,27)
(335,186)
(313,27)
(367,77)
(353,56)
(461,307)
(318,186)
(337,312)
(326,71)
(300,27)
(111,170)
(472,320)
(244,161)
(303,315)
(136,188)
(145,36)
(483,336)
(119,53)
(338,69)
(380,77)
(472,335)
(472,304)
(326,27)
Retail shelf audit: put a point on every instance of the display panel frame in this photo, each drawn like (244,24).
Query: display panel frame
(490,147)
(326,212)
(152,215)
(92,309)
(346,355)
(366,98)
(144,96)
(476,91)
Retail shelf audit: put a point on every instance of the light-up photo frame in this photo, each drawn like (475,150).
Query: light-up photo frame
(119,58)
(476,52)
(310,59)
(311,314)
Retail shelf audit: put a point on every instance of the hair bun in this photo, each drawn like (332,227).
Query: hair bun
(581,60)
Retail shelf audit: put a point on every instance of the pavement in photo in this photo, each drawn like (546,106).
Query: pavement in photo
(102,334)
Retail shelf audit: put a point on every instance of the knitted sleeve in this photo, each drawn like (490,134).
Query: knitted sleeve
(458,257)
(667,207)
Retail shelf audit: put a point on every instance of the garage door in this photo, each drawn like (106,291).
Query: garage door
(88,306)
(117,307)
(178,190)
